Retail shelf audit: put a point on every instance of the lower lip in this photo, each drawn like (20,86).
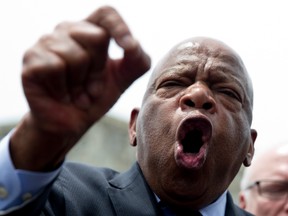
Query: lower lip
(190,160)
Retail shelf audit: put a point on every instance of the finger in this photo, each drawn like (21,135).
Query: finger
(95,40)
(44,71)
(77,54)
(76,58)
(136,61)
(109,19)
(45,75)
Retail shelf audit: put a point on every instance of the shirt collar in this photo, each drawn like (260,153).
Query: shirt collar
(216,208)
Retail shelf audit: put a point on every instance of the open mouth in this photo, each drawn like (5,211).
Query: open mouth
(193,134)
(193,137)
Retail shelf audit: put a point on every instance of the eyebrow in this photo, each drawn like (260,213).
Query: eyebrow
(186,70)
(182,68)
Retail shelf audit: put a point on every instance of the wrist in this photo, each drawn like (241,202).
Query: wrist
(35,149)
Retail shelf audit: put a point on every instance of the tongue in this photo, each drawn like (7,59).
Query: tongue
(190,160)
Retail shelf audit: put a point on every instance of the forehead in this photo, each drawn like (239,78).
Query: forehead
(277,166)
(206,55)
(209,60)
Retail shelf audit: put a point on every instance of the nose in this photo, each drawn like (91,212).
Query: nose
(198,96)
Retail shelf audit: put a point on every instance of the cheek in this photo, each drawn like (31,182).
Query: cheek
(234,120)
(157,131)
(231,142)
(236,127)
(259,205)
(265,207)
(158,119)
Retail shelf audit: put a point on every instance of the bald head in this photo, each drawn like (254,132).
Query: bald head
(204,48)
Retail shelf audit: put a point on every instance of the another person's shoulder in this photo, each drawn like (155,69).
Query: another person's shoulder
(243,212)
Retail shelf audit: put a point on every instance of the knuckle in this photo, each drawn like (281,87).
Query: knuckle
(37,61)
(28,55)
(106,9)
(63,25)
(46,39)
(108,16)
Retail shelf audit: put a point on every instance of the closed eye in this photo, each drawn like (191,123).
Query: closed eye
(171,83)
(170,88)
(231,93)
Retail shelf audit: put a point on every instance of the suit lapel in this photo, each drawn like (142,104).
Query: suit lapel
(232,209)
(131,195)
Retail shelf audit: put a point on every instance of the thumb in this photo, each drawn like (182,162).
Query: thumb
(135,61)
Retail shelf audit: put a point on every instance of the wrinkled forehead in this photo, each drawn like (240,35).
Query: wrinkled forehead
(194,53)
(202,51)
(205,52)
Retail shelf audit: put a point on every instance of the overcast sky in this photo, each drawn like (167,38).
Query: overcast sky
(257,30)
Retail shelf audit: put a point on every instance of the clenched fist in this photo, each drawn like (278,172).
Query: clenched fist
(70,82)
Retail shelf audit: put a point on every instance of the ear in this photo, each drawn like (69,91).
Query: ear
(250,153)
(242,200)
(132,127)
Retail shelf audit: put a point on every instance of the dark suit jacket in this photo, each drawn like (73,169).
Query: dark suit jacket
(82,190)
